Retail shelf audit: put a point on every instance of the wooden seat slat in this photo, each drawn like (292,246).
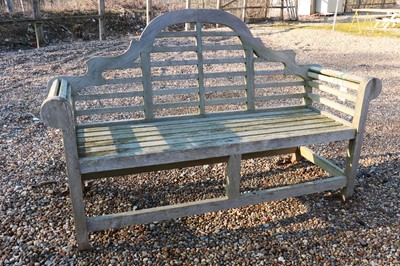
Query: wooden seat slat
(194,127)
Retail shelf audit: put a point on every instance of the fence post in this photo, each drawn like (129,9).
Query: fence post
(218,4)
(102,28)
(9,6)
(38,24)
(244,10)
(148,11)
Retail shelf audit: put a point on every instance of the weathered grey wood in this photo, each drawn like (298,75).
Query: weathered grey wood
(102,26)
(147,86)
(115,95)
(226,88)
(176,34)
(369,89)
(164,49)
(233,176)
(334,80)
(199,132)
(189,118)
(279,84)
(250,90)
(225,61)
(223,47)
(138,170)
(281,97)
(176,91)
(114,148)
(332,104)
(175,105)
(199,207)
(173,63)
(321,161)
(333,91)
(334,117)
(200,68)
(150,156)
(227,123)
(225,74)
(109,110)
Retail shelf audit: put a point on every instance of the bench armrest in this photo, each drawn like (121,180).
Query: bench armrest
(371,91)
(57,109)
(331,81)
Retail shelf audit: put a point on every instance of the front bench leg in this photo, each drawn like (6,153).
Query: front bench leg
(57,112)
(76,188)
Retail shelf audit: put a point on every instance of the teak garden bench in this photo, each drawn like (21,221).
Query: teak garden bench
(183,98)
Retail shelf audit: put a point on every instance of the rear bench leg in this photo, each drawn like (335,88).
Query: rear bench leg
(296,156)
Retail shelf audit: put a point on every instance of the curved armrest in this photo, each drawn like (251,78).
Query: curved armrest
(57,110)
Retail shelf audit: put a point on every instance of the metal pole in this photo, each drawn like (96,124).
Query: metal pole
(334,19)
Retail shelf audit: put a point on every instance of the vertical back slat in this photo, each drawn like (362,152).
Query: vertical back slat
(250,93)
(200,68)
(147,86)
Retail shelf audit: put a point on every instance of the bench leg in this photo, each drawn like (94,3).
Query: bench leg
(76,189)
(78,209)
(296,157)
(233,176)
(352,162)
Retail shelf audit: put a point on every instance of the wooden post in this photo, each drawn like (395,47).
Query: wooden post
(244,10)
(266,8)
(102,28)
(9,6)
(148,12)
(38,25)
(188,5)
(218,4)
(22,5)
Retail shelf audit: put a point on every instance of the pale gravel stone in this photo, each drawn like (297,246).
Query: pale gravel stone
(36,224)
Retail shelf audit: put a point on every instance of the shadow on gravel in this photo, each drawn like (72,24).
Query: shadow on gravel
(312,235)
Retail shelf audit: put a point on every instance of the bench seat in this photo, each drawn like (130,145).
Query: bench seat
(127,145)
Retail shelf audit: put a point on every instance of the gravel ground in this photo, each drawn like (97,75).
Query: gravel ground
(35,214)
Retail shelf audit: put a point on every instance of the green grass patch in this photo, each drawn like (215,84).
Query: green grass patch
(362,29)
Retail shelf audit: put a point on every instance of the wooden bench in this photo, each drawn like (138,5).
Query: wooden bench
(183,98)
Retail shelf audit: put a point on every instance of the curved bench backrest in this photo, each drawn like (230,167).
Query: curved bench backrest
(171,72)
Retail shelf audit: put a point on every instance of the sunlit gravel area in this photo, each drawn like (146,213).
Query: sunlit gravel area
(36,225)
